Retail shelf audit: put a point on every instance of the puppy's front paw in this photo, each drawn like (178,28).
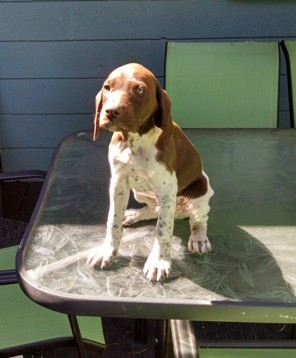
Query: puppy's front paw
(157,268)
(199,244)
(101,256)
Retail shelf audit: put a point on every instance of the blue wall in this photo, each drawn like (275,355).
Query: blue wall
(54,56)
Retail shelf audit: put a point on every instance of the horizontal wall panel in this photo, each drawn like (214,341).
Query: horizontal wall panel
(104,20)
(39,131)
(77,59)
(61,96)
(83,59)
(22,159)
(49,96)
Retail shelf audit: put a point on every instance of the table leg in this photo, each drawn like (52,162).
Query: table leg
(154,332)
(77,336)
(183,339)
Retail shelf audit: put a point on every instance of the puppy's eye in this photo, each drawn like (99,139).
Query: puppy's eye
(107,88)
(140,90)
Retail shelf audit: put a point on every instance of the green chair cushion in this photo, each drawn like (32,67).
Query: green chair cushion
(223,85)
(7,258)
(24,322)
(246,353)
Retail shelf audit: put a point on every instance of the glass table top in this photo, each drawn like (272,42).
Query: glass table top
(252,229)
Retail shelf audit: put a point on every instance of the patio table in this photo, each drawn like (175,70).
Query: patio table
(250,276)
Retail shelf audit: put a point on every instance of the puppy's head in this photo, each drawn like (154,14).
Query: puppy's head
(131,100)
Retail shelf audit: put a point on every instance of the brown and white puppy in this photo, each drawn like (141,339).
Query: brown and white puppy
(150,155)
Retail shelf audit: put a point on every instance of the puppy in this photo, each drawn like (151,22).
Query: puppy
(150,155)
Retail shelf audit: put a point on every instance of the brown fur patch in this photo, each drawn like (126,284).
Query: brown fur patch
(166,152)
(178,154)
(195,189)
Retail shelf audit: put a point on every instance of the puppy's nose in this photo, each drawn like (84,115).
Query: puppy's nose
(112,113)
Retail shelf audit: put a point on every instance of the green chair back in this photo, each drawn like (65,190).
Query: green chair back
(223,85)
(291,56)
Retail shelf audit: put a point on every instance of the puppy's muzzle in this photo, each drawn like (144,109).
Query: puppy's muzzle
(112,113)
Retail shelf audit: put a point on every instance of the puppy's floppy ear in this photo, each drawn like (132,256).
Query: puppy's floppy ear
(98,107)
(163,118)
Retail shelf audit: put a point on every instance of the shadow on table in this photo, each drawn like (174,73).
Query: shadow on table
(242,265)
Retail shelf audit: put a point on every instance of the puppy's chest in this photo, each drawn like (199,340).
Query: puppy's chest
(136,162)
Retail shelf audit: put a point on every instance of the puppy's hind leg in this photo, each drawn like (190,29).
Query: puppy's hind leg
(148,212)
(132,216)
(198,218)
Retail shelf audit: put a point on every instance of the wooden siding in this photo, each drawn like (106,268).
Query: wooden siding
(54,56)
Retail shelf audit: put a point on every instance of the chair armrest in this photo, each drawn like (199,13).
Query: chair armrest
(25,174)
(8,277)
